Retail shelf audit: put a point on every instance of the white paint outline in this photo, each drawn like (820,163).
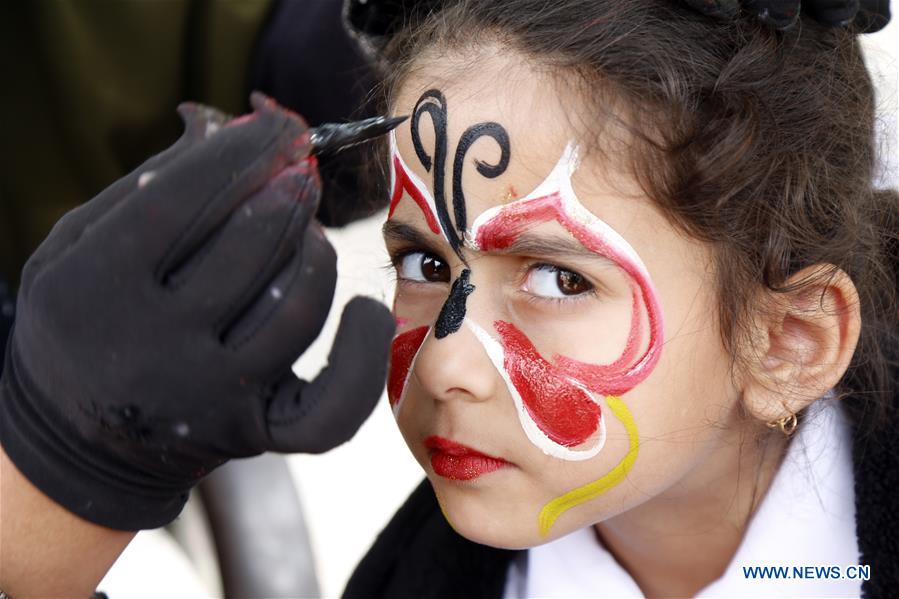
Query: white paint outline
(416,181)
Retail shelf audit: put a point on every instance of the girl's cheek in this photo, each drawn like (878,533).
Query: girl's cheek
(415,308)
(416,305)
(593,330)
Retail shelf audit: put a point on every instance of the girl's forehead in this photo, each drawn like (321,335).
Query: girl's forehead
(535,132)
(526,107)
(539,127)
(539,124)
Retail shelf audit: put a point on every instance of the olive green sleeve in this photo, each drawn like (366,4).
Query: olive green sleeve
(90,89)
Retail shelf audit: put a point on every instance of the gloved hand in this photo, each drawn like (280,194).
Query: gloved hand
(157,324)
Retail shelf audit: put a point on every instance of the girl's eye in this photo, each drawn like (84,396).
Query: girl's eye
(547,280)
(423,267)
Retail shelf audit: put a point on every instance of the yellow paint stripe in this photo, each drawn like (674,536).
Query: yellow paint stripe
(552,510)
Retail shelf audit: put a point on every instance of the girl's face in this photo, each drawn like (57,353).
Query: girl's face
(557,358)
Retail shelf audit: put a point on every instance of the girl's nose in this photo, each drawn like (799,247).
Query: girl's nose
(456,367)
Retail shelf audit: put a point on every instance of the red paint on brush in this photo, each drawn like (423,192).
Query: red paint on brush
(628,370)
(241,120)
(310,160)
(459,462)
(402,183)
(564,412)
(403,351)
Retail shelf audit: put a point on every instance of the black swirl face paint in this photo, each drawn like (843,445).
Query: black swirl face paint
(433,103)
(490,171)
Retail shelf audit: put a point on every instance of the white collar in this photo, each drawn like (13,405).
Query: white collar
(807,518)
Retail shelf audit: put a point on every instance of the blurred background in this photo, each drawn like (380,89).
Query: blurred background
(89,92)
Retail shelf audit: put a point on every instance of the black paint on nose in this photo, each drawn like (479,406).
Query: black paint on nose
(453,311)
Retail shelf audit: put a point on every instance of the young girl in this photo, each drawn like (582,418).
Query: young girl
(644,307)
(645,320)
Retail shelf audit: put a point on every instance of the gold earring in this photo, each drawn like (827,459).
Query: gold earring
(787,424)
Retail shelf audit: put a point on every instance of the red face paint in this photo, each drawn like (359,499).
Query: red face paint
(564,412)
(403,183)
(403,351)
(607,379)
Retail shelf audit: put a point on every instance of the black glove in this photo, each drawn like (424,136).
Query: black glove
(157,324)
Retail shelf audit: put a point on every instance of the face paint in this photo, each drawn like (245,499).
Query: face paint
(403,352)
(555,508)
(403,180)
(549,417)
(561,409)
(558,399)
(453,311)
(554,199)
(433,103)
(490,171)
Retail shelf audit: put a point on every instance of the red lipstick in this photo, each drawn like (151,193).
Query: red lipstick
(459,462)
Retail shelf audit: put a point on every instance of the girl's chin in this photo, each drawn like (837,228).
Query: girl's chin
(483,519)
(487,515)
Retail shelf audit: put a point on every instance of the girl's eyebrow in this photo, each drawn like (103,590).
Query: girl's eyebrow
(526,244)
(553,246)
(401,232)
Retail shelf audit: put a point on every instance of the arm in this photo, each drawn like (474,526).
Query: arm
(45,550)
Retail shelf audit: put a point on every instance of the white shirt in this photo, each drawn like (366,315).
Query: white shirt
(807,518)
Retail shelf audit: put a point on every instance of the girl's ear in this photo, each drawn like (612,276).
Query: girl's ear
(802,344)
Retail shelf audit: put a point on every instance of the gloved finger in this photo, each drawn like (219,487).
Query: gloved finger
(317,416)
(832,12)
(289,313)
(248,251)
(199,123)
(780,14)
(164,222)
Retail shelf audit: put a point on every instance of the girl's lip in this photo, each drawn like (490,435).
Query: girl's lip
(459,462)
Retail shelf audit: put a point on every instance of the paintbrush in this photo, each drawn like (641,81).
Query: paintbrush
(330,138)
(327,138)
